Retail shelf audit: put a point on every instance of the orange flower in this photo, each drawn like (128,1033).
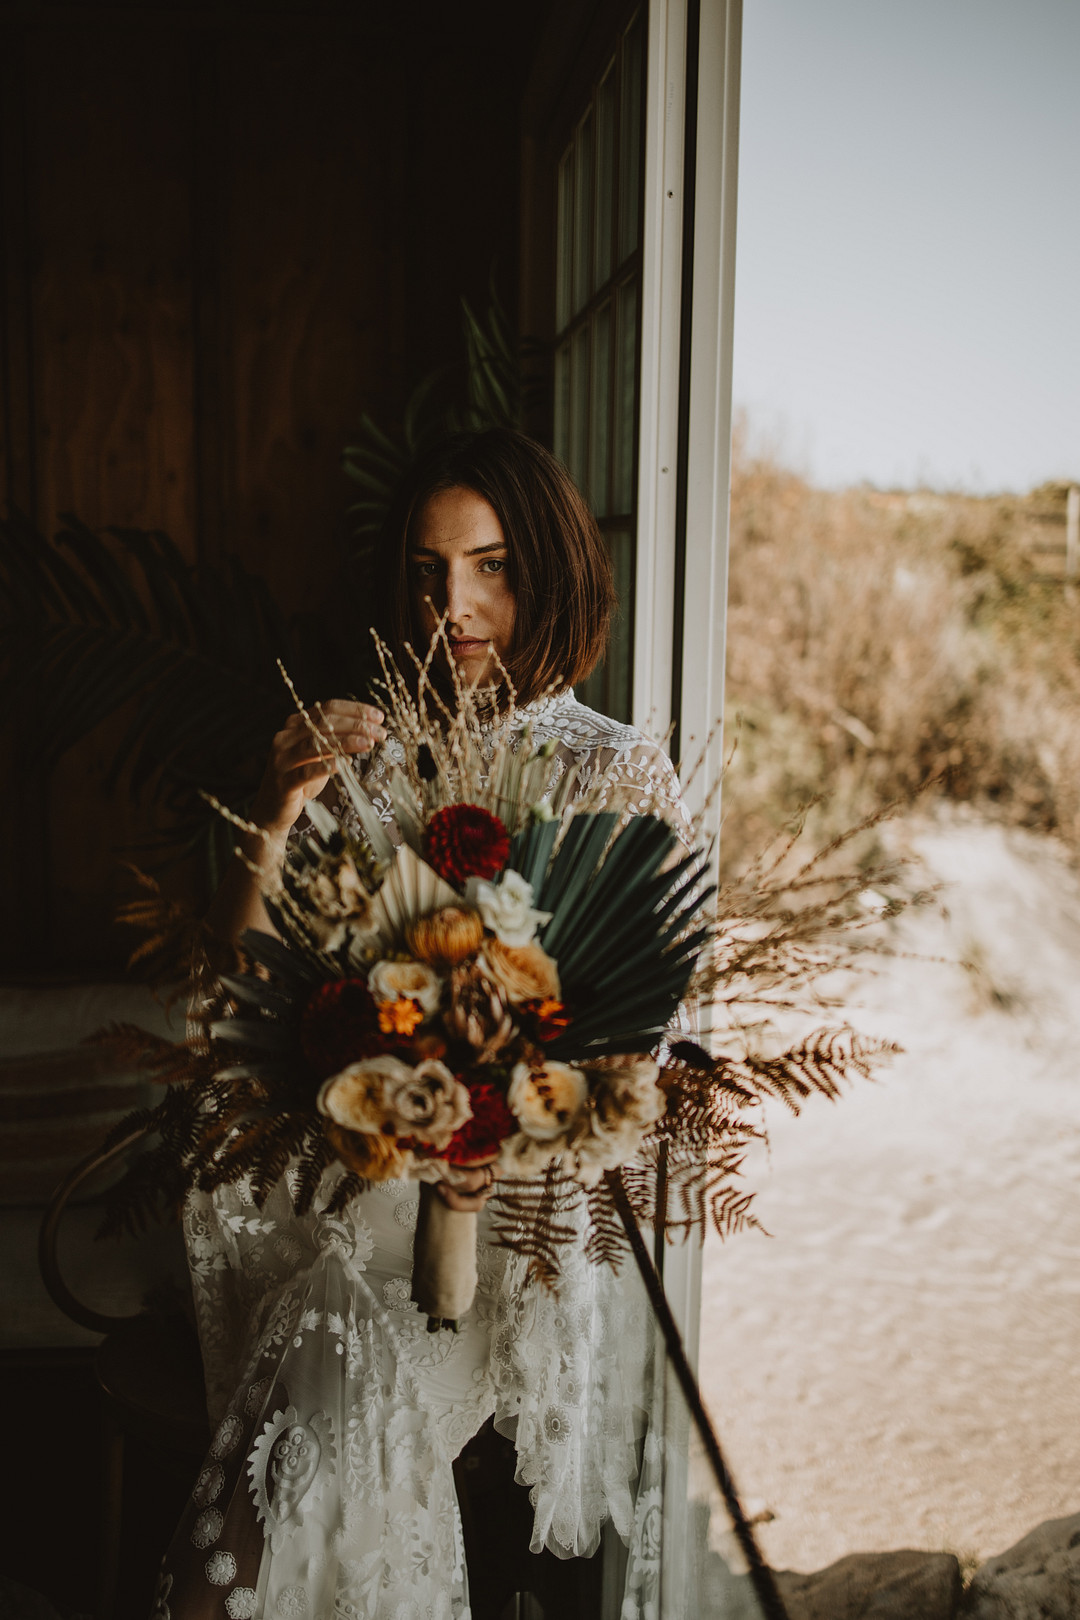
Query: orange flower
(551,1016)
(400,1017)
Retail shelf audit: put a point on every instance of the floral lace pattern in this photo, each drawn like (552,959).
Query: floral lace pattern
(329,1491)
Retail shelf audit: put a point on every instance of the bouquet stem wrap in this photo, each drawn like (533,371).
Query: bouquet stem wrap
(444,1258)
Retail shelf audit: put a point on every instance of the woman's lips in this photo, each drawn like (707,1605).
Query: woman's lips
(465,644)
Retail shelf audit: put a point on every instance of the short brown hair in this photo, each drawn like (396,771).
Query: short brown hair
(559,568)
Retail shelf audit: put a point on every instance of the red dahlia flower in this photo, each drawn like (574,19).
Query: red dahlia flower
(340,1025)
(492,1122)
(464,841)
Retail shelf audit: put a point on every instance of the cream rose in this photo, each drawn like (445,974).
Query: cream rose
(546,1100)
(354,1098)
(522,1157)
(507,907)
(625,1088)
(414,980)
(523,972)
(626,1100)
(383,1094)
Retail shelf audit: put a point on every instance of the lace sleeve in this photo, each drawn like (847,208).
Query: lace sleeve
(649,780)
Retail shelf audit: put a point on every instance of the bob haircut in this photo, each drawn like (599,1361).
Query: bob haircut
(559,568)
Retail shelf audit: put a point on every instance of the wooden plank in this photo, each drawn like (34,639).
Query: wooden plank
(23,817)
(17,472)
(311,148)
(111,298)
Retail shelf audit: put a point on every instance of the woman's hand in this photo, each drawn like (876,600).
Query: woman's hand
(471,1189)
(298,770)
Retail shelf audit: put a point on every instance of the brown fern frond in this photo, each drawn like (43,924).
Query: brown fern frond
(819,1063)
(315,1156)
(163,1060)
(529,1217)
(349,1187)
(606,1242)
(172,930)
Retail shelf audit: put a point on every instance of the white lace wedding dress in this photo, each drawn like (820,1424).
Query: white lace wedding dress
(328,1490)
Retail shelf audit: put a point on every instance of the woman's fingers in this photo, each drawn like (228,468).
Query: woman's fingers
(301,762)
(352,728)
(468,1203)
(471,1189)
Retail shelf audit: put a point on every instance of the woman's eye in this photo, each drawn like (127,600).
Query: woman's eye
(424,570)
(493,565)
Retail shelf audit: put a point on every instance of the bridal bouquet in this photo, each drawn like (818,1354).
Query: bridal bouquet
(488,991)
(494,989)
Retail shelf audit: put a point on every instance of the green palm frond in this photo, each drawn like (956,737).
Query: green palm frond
(96,625)
(622,928)
(492,392)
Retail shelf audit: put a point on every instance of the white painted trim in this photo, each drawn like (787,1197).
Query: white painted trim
(709,424)
(709,447)
(661,270)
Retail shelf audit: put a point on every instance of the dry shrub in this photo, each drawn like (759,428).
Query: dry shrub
(878,640)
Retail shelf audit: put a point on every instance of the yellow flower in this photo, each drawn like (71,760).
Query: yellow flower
(400,1017)
(375,1157)
(445,937)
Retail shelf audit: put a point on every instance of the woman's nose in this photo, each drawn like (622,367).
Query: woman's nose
(458,603)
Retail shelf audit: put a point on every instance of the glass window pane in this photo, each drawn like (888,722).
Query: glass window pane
(608,687)
(600,413)
(630,115)
(564,228)
(579,405)
(618,661)
(584,186)
(562,403)
(625,401)
(605,175)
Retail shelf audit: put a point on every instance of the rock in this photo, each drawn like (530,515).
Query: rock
(876,1586)
(1038,1579)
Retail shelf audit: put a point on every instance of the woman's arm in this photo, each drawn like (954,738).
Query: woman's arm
(295,772)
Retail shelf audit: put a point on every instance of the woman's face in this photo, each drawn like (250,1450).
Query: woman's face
(459,565)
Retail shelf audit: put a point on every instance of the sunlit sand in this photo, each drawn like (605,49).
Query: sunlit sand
(896,1366)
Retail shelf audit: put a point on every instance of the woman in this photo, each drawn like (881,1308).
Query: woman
(328,1491)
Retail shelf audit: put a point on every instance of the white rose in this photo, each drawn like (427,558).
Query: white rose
(521,1157)
(546,1100)
(414,980)
(507,907)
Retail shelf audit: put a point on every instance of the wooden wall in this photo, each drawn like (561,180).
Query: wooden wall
(226,233)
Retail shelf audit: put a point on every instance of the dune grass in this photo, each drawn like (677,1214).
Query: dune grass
(877,640)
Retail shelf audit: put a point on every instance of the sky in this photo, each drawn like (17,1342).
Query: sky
(907,301)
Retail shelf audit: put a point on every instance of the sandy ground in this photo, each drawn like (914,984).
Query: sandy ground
(897,1365)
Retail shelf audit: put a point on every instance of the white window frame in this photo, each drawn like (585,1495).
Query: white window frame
(687,416)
